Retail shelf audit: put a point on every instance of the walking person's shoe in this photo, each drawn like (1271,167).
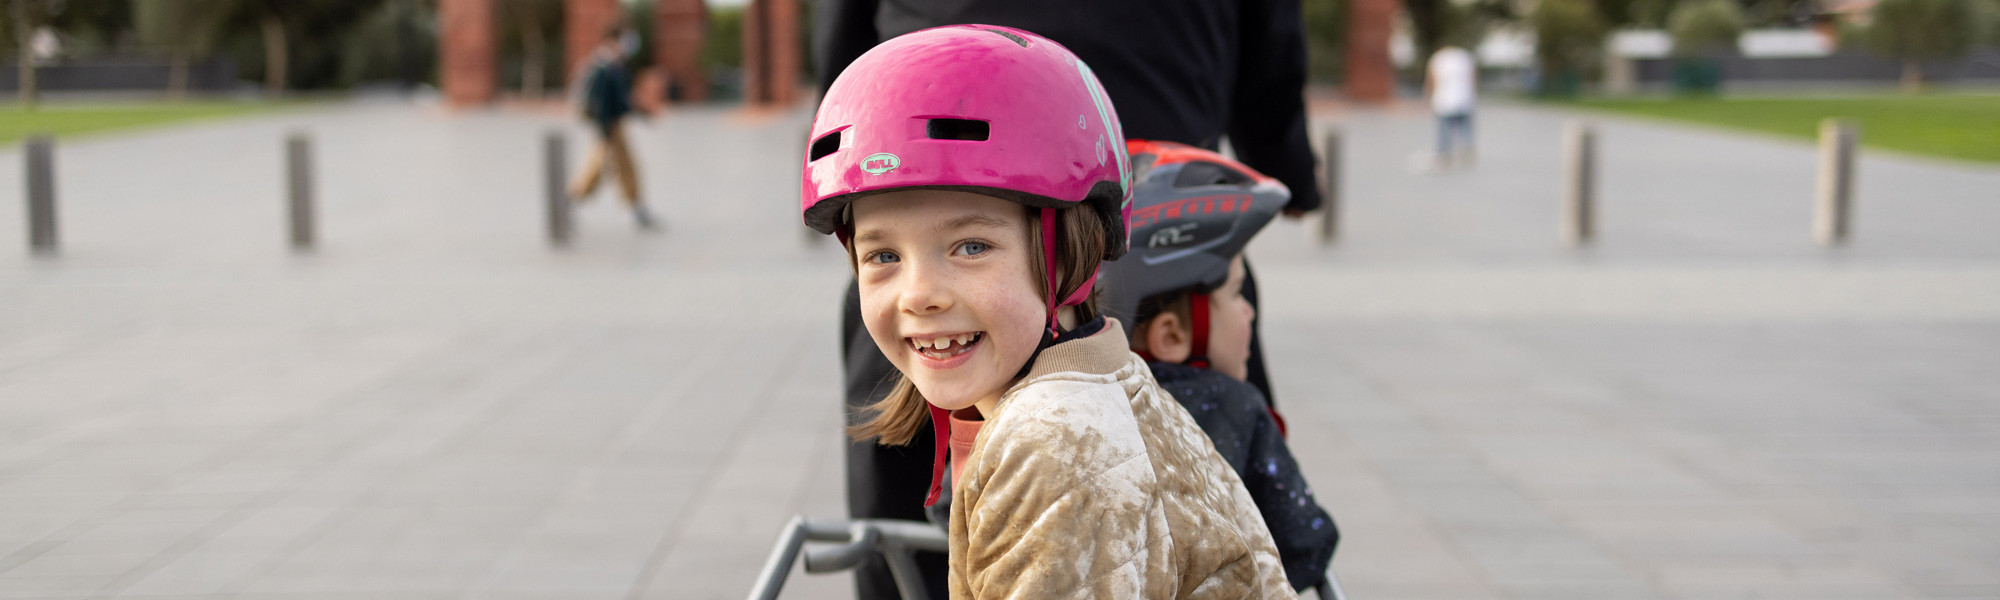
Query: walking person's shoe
(644,218)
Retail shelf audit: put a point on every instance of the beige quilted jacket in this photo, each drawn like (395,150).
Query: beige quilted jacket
(1091,482)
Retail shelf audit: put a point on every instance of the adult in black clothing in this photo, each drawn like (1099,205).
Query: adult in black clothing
(1188,71)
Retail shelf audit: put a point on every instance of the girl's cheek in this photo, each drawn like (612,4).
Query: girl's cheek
(876,308)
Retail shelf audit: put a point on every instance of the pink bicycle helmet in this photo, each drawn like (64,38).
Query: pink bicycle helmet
(977,108)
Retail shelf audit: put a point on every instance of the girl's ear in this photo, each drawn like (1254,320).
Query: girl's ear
(1167,338)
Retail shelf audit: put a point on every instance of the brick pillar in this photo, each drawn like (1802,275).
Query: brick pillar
(771,52)
(679,27)
(1371,76)
(584,22)
(468,59)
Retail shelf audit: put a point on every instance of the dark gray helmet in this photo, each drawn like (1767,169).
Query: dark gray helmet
(1193,211)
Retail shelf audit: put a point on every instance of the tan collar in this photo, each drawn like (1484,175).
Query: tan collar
(1100,354)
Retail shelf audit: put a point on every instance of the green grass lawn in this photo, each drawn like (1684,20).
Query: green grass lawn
(71,119)
(1964,126)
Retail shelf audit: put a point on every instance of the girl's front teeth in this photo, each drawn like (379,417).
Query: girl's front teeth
(945,347)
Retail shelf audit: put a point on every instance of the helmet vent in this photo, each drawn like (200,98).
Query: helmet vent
(1201,174)
(958,129)
(1017,39)
(826,144)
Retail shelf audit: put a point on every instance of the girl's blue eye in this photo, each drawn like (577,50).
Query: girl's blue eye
(975,248)
(883,257)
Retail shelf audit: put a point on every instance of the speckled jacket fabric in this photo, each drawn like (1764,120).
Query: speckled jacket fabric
(1238,420)
(1091,482)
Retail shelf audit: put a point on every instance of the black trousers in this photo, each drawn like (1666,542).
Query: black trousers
(890,482)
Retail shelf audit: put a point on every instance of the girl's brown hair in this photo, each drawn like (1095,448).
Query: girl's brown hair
(1080,243)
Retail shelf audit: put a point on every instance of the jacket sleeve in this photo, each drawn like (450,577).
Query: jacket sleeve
(1267,120)
(1069,523)
(1303,532)
(842,30)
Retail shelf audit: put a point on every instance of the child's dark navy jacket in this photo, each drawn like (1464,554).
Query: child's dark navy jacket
(1237,419)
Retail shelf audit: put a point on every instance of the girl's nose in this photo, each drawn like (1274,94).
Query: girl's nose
(924,295)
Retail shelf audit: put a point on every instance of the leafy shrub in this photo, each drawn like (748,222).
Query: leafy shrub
(1988,18)
(1702,27)
(1917,30)
(1569,41)
(1326,34)
(1923,29)
(724,46)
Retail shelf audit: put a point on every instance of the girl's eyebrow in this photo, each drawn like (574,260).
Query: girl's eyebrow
(972,220)
(952,224)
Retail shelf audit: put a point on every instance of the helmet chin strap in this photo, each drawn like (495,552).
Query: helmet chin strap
(1198,314)
(941,457)
(1049,233)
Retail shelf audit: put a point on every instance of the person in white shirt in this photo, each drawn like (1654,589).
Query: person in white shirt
(1452,85)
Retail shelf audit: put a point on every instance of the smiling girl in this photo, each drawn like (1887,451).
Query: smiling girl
(977,176)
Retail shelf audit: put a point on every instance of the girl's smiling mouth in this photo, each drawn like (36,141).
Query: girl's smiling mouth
(942,350)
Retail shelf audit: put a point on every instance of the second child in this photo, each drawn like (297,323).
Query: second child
(1182,289)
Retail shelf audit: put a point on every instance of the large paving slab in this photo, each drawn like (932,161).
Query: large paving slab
(436,404)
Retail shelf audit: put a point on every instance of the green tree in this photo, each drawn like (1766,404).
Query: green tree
(534,24)
(1466,23)
(23,18)
(1989,21)
(1703,27)
(292,42)
(724,46)
(86,23)
(1569,39)
(1618,13)
(1651,14)
(1767,13)
(1914,31)
(1326,32)
(1427,27)
(184,27)
(89,25)
(397,42)
(1461,23)
(1702,30)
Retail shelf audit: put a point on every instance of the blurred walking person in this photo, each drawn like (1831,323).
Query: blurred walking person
(1452,84)
(607,99)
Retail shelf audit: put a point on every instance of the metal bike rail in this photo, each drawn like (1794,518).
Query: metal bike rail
(1330,589)
(894,540)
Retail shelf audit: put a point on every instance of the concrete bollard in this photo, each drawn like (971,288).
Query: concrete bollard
(1329,221)
(299,190)
(1580,183)
(1834,205)
(555,168)
(40,167)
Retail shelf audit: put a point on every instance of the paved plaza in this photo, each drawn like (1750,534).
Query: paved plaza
(437,404)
